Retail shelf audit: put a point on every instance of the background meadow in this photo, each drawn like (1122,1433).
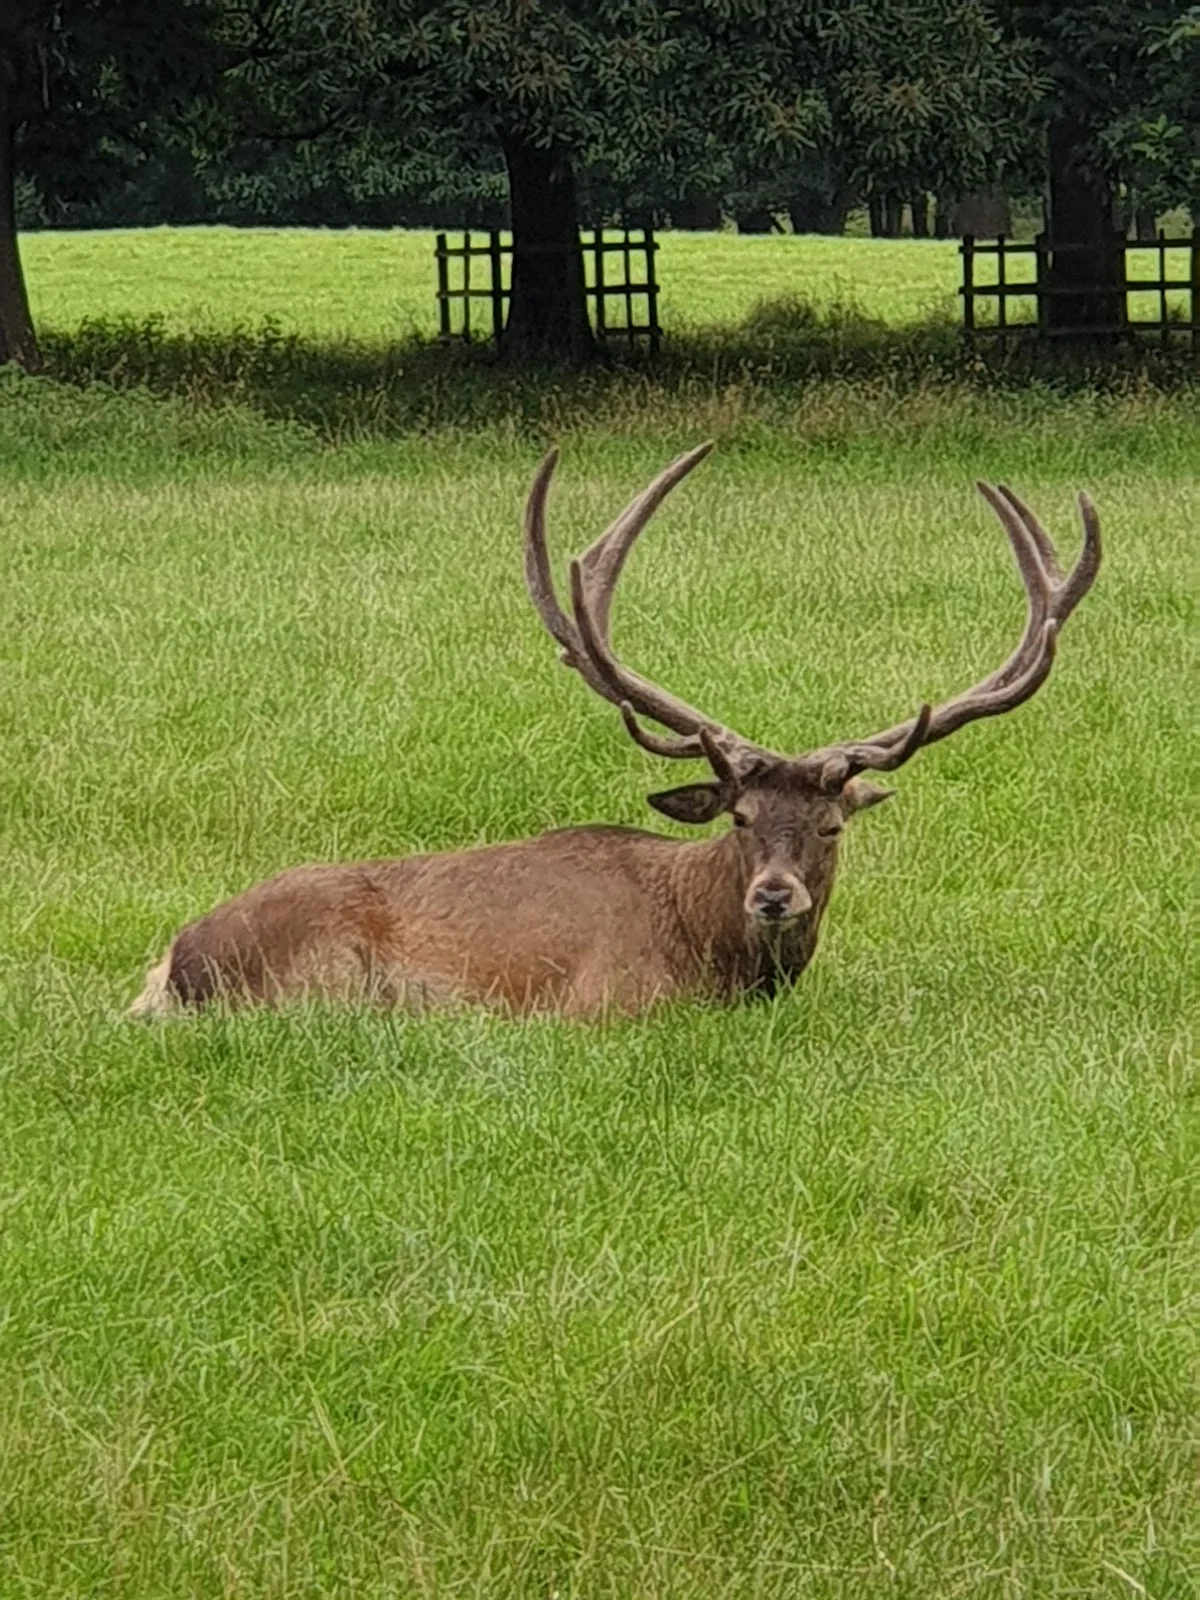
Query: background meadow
(889,1284)
(380,285)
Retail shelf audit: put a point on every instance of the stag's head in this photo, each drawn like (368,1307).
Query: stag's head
(788,812)
(787,822)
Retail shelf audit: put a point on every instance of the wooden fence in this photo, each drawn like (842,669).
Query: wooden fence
(1173,300)
(634,247)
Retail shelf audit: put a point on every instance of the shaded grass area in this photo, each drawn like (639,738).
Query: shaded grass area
(887,1285)
(836,386)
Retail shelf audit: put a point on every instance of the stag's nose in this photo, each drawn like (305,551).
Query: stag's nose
(779,902)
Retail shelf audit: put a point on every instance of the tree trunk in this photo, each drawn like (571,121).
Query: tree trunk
(919,207)
(806,208)
(17,340)
(836,212)
(547,313)
(1086,257)
(699,212)
(1145,225)
(755,219)
(814,211)
(886,212)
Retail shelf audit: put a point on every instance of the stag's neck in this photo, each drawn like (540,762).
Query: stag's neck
(709,883)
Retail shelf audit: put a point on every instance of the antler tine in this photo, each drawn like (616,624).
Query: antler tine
(1037,563)
(540,583)
(1033,525)
(602,561)
(601,565)
(628,687)
(655,742)
(1051,598)
(1083,574)
(1050,594)
(538,578)
(1068,591)
(584,639)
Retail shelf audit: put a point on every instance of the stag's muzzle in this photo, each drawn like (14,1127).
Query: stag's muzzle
(777,900)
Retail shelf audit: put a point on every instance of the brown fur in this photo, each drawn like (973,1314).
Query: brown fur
(577,922)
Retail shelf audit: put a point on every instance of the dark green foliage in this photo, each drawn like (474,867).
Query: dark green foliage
(85,79)
(381,112)
(1128,77)
(614,84)
(83,84)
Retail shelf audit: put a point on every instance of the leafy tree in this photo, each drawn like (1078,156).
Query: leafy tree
(1156,144)
(653,100)
(79,83)
(554,86)
(1123,101)
(924,95)
(920,95)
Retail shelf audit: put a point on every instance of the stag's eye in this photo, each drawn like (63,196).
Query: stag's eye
(740,819)
(831,832)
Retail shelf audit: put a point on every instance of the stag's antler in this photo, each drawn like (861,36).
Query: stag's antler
(585,643)
(584,639)
(1051,599)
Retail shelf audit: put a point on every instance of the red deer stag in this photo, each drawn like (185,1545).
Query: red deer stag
(587,919)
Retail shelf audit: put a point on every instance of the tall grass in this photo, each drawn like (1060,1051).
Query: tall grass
(886,1287)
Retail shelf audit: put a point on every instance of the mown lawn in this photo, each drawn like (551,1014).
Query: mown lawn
(376,286)
(886,1287)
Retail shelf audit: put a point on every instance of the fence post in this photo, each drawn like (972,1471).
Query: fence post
(497,286)
(598,256)
(443,295)
(467,285)
(1041,275)
(967,251)
(628,294)
(1195,295)
(1002,286)
(1165,338)
(651,244)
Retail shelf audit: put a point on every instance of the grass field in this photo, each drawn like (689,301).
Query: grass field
(376,287)
(887,1287)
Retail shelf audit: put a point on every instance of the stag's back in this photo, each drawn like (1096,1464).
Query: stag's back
(566,920)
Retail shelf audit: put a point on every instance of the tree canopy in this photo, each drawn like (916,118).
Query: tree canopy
(1121,108)
(652,99)
(1126,77)
(553,86)
(81,84)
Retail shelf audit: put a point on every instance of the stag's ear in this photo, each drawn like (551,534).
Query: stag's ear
(859,795)
(694,802)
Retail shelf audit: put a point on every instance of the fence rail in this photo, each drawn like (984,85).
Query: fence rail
(600,286)
(1170,291)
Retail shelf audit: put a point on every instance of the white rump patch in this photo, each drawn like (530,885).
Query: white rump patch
(157,998)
